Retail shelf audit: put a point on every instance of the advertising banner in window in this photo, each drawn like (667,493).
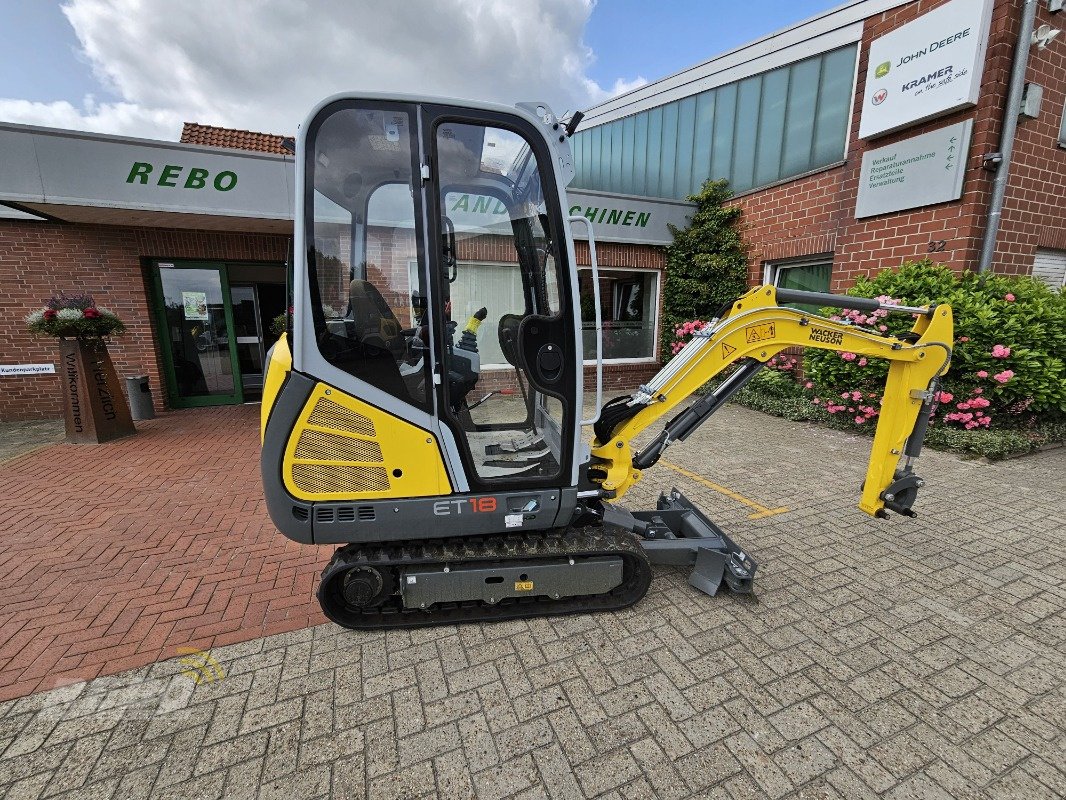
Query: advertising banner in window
(926,68)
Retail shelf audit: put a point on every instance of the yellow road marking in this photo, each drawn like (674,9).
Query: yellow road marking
(760,510)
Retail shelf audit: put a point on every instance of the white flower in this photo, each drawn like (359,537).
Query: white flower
(69,314)
(36,317)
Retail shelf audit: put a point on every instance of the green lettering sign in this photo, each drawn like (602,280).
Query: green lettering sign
(168,175)
(140,171)
(225,180)
(197,178)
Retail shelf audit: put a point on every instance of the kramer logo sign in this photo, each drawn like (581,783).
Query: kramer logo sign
(170,176)
(929,67)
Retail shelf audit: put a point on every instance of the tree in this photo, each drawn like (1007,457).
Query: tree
(707,265)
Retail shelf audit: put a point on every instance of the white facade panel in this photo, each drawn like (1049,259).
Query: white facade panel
(1050,267)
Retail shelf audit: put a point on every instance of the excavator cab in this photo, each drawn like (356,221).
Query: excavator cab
(431,251)
(426,414)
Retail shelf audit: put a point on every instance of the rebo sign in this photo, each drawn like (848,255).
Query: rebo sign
(927,68)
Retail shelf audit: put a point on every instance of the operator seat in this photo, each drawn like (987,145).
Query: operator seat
(377,338)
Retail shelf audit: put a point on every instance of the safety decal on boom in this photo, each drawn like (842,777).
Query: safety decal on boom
(759,333)
(727,350)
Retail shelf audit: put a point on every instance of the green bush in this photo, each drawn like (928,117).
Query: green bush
(1009,359)
(707,264)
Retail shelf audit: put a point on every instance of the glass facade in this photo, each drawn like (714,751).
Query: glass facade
(753,132)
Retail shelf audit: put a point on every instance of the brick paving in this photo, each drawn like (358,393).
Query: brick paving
(115,554)
(904,659)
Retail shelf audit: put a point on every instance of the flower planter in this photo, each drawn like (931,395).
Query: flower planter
(95,408)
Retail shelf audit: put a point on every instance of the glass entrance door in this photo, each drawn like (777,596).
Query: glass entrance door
(248,330)
(195,321)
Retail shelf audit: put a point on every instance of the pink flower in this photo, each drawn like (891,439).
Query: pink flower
(946,397)
(979,390)
(982,373)
(856,395)
(844,396)
(964,338)
(999,351)
(1008,297)
(1003,376)
(863,362)
(808,385)
(882,328)
(860,420)
(964,406)
(816,401)
(848,356)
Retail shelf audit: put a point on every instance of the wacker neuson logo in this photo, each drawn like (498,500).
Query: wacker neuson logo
(171,176)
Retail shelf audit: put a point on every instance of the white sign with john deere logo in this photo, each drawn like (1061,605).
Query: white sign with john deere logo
(928,67)
(919,171)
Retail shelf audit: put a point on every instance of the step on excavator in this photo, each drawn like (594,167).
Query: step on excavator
(447,463)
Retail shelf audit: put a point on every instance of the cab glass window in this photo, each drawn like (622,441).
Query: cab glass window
(368,304)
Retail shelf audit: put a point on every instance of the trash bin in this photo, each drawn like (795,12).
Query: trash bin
(140,395)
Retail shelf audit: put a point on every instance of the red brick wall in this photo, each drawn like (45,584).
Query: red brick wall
(815,214)
(1035,211)
(40,258)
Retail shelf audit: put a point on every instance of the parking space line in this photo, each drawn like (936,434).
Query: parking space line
(760,510)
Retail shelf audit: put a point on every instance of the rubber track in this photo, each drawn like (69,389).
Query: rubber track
(573,542)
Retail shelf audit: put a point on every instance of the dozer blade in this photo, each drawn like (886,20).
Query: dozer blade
(679,534)
(481,579)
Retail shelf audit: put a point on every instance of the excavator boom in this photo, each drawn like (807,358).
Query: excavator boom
(754,330)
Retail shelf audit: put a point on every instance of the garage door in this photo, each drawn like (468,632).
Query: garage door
(1050,267)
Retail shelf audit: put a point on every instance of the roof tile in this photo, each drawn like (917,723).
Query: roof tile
(212,136)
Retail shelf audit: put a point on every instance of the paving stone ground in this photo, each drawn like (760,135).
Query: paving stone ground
(18,438)
(903,659)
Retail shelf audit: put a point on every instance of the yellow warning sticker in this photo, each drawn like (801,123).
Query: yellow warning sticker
(523,586)
(759,333)
(727,350)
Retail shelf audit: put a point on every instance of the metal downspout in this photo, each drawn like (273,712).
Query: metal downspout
(1010,127)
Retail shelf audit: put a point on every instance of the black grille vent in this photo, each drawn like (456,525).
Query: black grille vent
(367,513)
(323,514)
(346,514)
(300,513)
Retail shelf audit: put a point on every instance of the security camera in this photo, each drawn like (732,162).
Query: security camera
(1044,35)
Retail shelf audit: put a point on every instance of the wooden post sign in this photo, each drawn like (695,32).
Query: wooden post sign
(95,407)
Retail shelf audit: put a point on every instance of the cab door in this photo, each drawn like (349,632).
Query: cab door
(507,367)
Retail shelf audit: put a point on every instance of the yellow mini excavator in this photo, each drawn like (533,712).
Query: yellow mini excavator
(448,462)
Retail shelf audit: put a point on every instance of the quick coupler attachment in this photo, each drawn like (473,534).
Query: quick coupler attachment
(679,534)
(901,494)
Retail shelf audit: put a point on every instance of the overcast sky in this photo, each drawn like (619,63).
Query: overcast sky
(142,67)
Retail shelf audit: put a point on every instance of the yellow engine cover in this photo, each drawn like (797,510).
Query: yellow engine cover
(344,449)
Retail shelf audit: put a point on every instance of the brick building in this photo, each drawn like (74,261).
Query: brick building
(809,84)
(207,222)
(187,242)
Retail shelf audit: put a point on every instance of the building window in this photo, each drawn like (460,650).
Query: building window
(808,275)
(1062,129)
(753,132)
(1050,267)
(629,308)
